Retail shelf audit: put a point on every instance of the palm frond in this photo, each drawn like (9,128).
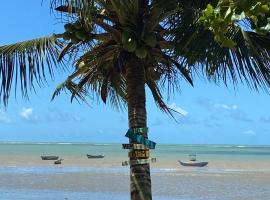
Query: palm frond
(96,76)
(248,62)
(27,62)
(157,95)
(70,6)
(64,51)
(182,47)
(69,85)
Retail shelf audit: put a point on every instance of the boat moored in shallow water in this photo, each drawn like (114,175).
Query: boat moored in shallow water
(192,162)
(58,162)
(49,157)
(95,156)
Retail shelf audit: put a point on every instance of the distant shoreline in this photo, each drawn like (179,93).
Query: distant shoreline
(221,157)
(111,143)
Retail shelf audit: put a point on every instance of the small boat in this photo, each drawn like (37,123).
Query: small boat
(49,157)
(193,162)
(57,162)
(95,156)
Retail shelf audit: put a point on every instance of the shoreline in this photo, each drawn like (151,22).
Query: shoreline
(116,162)
(241,173)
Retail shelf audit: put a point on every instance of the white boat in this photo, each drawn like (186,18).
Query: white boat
(193,162)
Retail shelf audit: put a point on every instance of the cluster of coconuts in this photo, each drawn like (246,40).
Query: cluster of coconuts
(138,46)
(76,32)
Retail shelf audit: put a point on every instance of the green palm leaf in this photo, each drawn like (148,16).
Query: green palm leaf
(119,46)
(27,62)
(182,46)
(247,62)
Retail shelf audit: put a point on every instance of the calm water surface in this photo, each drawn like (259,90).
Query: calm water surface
(111,182)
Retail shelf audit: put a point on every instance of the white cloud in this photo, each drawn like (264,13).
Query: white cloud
(225,106)
(210,104)
(26,113)
(249,132)
(178,109)
(4,118)
(241,116)
(61,116)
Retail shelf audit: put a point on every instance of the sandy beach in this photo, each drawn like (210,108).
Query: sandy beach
(92,183)
(25,176)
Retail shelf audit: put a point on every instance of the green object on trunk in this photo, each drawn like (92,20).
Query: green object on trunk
(134,146)
(140,139)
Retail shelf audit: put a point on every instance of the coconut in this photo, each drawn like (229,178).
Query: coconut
(141,52)
(129,41)
(125,36)
(130,45)
(69,27)
(81,65)
(67,35)
(82,35)
(265,8)
(78,25)
(75,40)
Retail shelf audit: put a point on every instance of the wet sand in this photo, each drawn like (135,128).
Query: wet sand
(190,185)
(227,177)
(83,161)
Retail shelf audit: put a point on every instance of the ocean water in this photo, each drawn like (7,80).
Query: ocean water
(234,172)
(168,151)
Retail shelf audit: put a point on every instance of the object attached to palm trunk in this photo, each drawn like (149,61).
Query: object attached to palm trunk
(134,146)
(133,135)
(139,154)
(139,162)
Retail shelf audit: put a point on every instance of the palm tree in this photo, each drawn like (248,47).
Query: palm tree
(118,47)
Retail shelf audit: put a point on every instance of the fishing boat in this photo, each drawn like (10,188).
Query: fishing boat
(193,162)
(58,162)
(49,157)
(95,156)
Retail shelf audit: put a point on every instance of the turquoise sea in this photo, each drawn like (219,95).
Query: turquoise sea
(239,172)
(166,150)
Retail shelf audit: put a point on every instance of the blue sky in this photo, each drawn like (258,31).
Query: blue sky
(211,114)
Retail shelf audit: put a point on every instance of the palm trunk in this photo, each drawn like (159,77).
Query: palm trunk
(140,180)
